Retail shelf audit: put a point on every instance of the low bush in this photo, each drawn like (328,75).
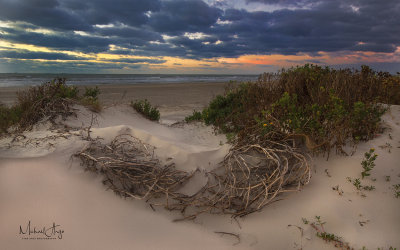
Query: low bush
(196,116)
(47,101)
(66,91)
(322,107)
(226,111)
(144,107)
(91,93)
(9,116)
(91,103)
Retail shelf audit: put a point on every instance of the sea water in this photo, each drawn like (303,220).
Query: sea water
(17,80)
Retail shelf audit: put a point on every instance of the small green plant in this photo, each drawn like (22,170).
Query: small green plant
(387,178)
(230,137)
(70,92)
(91,92)
(396,190)
(196,116)
(357,183)
(368,163)
(319,222)
(328,237)
(92,104)
(368,188)
(144,107)
(90,99)
(318,225)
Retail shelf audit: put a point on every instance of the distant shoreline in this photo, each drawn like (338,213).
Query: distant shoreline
(16,80)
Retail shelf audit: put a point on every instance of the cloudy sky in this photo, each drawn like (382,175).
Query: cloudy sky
(196,36)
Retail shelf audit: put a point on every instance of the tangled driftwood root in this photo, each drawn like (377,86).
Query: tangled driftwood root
(130,168)
(249,178)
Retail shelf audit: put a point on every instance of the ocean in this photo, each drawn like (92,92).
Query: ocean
(16,79)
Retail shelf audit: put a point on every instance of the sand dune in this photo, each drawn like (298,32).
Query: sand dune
(40,183)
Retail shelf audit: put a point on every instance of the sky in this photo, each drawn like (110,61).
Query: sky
(196,36)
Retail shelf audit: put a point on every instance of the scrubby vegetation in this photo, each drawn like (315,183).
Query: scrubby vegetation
(322,107)
(91,92)
(90,99)
(47,101)
(196,116)
(146,109)
(9,116)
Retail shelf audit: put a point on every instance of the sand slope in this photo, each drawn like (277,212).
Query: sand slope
(40,183)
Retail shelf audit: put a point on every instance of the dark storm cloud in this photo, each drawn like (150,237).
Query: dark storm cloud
(129,60)
(184,16)
(44,13)
(24,54)
(129,32)
(77,14)
(129,12)
(328,26)
(305,26)
(66,40)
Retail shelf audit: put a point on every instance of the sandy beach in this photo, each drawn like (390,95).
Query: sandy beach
(174,100)
(41,184)
(172,94)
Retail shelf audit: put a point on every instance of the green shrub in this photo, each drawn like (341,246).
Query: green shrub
(324,107)
(144,107)
(70,92)
(396,190)
(196,116)
(92,92)
(91,103)
(9,116)
(226,111)
(90,99)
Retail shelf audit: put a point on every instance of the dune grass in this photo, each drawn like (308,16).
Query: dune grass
(146,109)
(47,101)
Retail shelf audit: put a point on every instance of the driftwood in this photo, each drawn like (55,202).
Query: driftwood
(249,178)
(130,168)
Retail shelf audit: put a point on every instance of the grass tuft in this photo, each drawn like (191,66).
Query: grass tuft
(146,109)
